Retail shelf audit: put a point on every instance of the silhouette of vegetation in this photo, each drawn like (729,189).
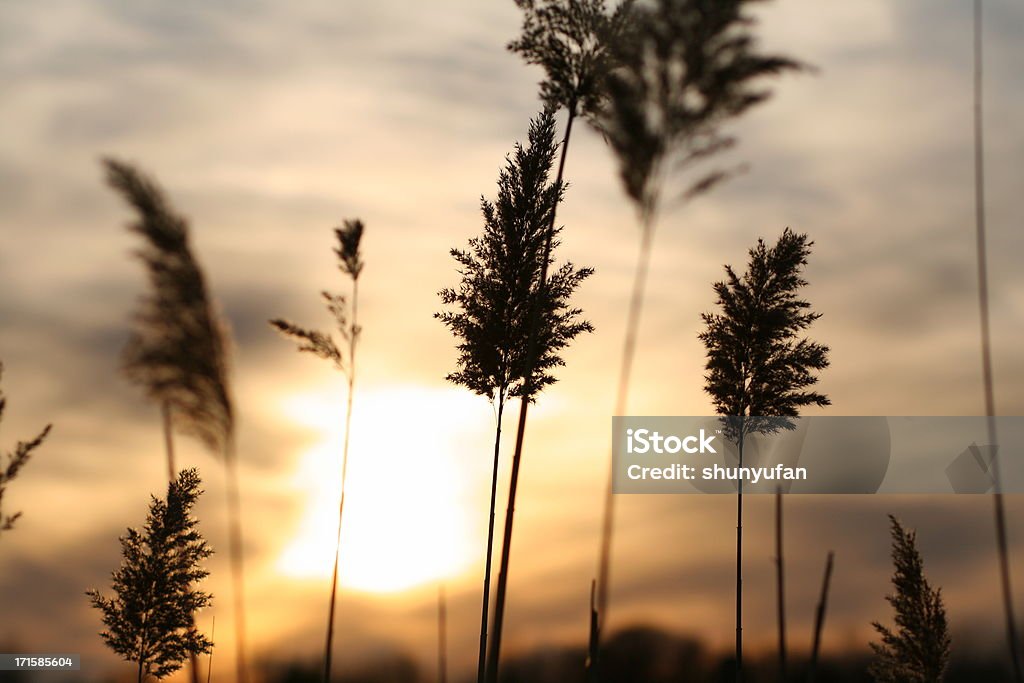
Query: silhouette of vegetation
(149,619)
(988,380)
(322,345)
(15,461)
(918,650)
(512,319)
(499,287)
(759,368)
(683,68)
(178,354)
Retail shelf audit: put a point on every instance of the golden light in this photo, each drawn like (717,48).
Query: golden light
(406,521)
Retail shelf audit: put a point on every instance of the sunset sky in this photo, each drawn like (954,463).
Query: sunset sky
(267,123)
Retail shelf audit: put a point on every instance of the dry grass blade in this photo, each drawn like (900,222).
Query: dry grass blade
(15,461)
(311,341)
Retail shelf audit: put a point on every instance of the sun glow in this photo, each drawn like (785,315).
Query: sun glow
(405,521)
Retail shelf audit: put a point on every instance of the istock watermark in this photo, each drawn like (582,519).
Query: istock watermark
(645,441)
(816,455)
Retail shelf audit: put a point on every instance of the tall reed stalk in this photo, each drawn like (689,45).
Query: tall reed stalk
(346,317)
(571,40)
(512,316)
(759,365)
(986,351)
(178,354)
(524,405)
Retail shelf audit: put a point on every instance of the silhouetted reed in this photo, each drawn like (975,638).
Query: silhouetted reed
(572,40)
(683,68)
(322,345)
(759,367)
(511,324)
(178,353)
(150,619)
(15,461)
(918,650)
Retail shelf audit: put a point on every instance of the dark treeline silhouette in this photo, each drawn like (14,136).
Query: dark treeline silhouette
(643,654)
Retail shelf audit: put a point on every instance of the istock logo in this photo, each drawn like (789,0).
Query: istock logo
(642,441)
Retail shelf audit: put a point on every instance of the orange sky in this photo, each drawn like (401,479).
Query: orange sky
(269,122)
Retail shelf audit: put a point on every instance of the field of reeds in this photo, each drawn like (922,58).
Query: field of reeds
(698,209)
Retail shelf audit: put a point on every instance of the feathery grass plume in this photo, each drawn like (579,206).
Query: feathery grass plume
(15,461)
(493,310)
(178,353)
(918,650)
(988,380)
(178,348)
(570,40)
(149,619)
(683,68)
(759,367)
(322,345)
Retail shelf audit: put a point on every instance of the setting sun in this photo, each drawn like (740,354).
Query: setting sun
(405,522)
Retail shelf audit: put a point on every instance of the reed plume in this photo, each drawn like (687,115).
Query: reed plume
(509,323)
(15,461)
(150,619)
(178,353)
(760,369)
(322,345)
(918,650)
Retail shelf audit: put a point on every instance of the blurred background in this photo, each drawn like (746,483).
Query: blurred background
(267,123)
